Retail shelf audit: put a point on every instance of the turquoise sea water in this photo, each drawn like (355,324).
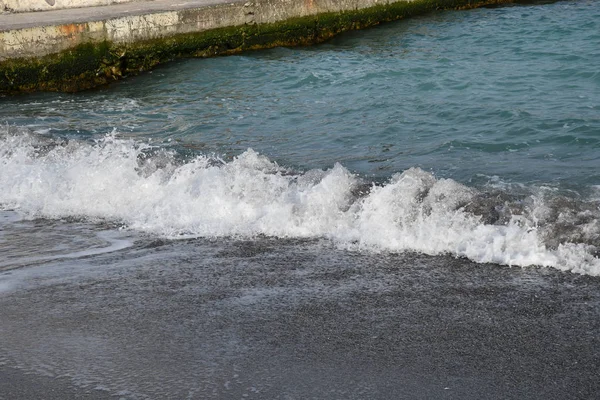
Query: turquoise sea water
(511,92)
(471,133)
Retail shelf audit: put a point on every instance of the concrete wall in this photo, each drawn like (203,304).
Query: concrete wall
(43,40)
(16,6)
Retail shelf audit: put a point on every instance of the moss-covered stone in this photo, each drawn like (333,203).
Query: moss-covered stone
(91,65)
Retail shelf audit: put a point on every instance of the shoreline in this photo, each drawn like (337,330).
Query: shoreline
(105,44)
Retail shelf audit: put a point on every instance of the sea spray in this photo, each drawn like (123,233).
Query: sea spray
(154,190)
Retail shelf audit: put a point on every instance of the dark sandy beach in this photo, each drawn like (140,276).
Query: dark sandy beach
(273,319)
(15,384)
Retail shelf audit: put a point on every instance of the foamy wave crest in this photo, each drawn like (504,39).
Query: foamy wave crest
(153,190)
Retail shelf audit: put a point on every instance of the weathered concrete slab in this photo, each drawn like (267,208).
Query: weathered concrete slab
(18,6)
(39,34)
(77,49)
(90,14)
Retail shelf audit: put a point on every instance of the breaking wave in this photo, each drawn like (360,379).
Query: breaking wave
(159,190)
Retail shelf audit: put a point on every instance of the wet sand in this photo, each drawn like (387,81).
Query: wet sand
(15,384)
(275,319)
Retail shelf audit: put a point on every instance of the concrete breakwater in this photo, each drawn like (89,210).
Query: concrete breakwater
(16,6)
(77,49)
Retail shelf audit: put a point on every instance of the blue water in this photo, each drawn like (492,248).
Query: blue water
(512,92)
(473,133)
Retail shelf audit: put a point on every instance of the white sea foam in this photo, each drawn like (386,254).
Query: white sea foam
(116,180)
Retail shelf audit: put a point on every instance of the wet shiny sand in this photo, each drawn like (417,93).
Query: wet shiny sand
(276,319)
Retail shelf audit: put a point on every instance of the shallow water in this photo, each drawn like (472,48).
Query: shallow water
(495,113)
(395,164)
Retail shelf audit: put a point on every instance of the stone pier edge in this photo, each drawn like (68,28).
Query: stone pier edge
(98,57)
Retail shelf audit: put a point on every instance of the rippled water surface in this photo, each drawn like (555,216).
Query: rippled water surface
(512,92)
(503,102)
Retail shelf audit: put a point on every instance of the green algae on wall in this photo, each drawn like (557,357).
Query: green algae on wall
(91,65)
(83,67)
